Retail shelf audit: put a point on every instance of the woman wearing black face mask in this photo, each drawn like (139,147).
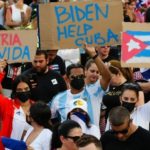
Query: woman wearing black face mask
(130,98)
(13,111)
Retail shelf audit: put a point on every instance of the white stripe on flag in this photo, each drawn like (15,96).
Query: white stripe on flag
(144,38)
(147,48)
(138,60)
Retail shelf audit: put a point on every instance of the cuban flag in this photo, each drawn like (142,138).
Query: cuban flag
(136,46)
(145,73)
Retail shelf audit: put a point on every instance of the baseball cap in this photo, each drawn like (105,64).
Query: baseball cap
(78,103)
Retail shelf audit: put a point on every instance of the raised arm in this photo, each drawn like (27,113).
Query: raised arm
(145,86)
(105,74)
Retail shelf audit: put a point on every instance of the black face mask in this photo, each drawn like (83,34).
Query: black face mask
(23,96)
(129,106)
(77,83)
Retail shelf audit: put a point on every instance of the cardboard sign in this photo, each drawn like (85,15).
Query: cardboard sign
(70,24)
(18,45)
(135,51)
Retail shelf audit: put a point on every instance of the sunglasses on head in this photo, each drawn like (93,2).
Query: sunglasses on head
(74,138)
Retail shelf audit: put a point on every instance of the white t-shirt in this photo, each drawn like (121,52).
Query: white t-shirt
(42,141)
(19,124)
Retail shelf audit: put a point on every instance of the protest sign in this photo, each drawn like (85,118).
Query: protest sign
(18,45)
(70,24)
(135,51)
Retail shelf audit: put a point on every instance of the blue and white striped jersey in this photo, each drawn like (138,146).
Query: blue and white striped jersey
(92,94)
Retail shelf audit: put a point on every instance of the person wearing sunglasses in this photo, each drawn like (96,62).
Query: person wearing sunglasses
(130,99)
(78,89)
(65,135)
(124,134)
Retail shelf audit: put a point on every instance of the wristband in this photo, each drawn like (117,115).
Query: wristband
(95,56)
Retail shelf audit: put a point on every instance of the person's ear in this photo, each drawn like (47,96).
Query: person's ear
(62,139)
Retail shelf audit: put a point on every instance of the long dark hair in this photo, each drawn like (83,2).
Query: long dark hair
(62,129)
(41,114)
(18,79)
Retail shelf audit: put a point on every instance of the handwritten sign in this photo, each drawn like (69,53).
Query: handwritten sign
(18,46)
(135,50)
(69,24)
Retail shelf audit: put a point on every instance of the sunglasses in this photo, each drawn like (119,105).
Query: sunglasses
(74,138)
(77,77)
(124,131)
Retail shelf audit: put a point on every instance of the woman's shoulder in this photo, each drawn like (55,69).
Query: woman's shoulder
(27,7)
(47,131)
(45,135)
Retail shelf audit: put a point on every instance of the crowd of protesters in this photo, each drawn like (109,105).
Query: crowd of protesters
(46,105)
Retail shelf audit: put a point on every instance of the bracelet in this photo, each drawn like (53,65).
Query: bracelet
(95,56)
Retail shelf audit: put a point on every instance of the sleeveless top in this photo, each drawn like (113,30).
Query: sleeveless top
(16,13)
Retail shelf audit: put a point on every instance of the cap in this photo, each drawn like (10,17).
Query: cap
(78,103)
